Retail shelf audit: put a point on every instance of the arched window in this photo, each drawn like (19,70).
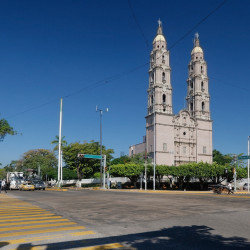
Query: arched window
(163,76)
(191,84)
(152,77)
(202,86)
(203,106)
(164,99)
(201,69)
(163,59)
(191,106)
(152,99)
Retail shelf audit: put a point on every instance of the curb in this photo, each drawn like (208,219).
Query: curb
(165,191)
(56,189)
(157,191)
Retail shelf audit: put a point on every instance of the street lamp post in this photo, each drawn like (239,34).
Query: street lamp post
(101,162)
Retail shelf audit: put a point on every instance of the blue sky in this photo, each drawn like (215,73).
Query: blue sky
(93,52)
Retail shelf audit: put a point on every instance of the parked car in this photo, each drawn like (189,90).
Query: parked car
(26,186)
(245,186)
(39,184)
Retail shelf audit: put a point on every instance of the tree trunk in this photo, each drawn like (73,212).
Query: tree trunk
(201,183)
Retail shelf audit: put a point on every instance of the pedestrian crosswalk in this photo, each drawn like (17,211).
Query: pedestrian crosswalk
(26,226)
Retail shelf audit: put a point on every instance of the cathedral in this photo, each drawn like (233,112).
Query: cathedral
(186,137)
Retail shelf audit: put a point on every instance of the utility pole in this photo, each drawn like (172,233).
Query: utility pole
(59,147)
(145,164)
(102,170)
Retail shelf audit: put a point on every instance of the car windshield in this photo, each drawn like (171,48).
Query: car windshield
(39,182)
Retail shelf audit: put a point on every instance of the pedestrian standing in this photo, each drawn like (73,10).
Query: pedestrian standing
(4,185)
(0,186)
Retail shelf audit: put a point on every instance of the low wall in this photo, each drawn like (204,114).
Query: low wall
(94,181)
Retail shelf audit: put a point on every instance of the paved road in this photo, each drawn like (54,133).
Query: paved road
(125,220)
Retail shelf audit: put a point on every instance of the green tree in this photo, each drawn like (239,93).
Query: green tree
(43,158)
(121,160)
(137,158)
(5,129)
(13,166)
(69,174)
(140,158)
(2,173)
(86,167)
(222,159)
(130,170)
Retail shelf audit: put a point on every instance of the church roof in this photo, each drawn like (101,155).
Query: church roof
(159,37)
(197,50)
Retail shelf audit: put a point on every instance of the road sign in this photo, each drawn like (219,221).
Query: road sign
(89,156)
(244,157)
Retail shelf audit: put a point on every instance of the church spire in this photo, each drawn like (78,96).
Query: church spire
(196,40)
(159,30)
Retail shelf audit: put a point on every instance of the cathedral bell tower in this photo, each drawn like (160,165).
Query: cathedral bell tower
(159,141)
(160,88)
(198,99)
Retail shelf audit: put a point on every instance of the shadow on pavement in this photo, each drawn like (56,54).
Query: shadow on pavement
(3,244)
(188,237)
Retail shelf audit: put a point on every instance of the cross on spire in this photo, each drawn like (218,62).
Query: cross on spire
(159,30)
(196,40)
(159,22)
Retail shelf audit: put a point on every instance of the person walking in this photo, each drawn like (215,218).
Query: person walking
(3,186)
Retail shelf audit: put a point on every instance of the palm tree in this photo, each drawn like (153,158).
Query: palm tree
(56,142)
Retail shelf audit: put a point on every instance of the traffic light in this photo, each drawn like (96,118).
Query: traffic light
(80,156)
(106,168)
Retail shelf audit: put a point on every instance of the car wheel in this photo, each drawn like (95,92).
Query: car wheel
(43,188)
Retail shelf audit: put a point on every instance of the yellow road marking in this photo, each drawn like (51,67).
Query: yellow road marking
(82,233)
(33,239)
(45,237)
(32,248)
(30,222)
(40,218)
(19,208)
(103,247)
(41,231)
(23,213)
(24,216)
(36,226)
(98,247)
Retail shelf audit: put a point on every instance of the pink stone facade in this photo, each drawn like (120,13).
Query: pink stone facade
(187,136)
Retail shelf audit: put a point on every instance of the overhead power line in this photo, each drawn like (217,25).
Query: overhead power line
(198,24)
(137,23)
(117,76)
